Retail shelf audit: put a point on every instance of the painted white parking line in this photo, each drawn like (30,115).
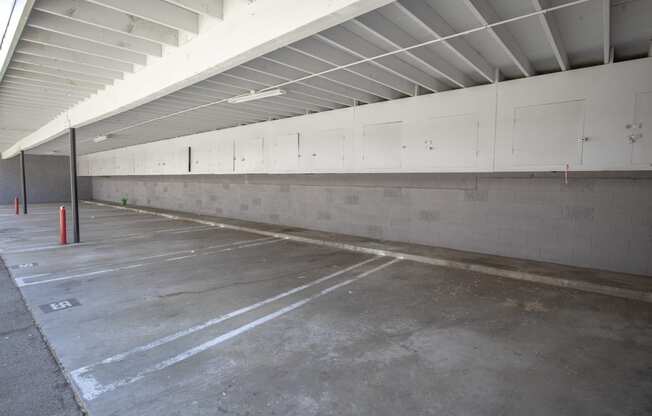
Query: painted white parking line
(154,256)
(106,241)
(44,248)
(22,281)
(91,388)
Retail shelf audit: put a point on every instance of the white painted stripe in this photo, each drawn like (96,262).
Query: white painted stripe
(104,241)
(91,389)
(44,248)
(172,253)
(193,329)
(34,275)
(21,281)
(196,229)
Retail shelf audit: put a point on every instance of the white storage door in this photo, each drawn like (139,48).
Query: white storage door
(212,155)
(381,145)
(323,150)
(548,134)
(249,154)
(284,153)
(641,131)
(441,142)
(124,162)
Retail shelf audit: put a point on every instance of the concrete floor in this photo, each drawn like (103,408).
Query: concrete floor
(176,318)
(31,382)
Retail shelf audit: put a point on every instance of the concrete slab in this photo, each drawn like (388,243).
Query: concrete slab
(31,382)
(183,319)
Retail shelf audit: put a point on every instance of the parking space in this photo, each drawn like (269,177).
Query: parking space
(152,316)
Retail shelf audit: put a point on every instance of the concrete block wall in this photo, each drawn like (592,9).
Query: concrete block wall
(597,220)
(48,180)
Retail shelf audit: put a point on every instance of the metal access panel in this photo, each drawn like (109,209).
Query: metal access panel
(124,161)
(323,151)
(249,155)
(548,134)
(441,142)
(640,132)
(212,155)
(381,145)
(284,153)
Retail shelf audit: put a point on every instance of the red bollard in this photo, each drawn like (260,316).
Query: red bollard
(63,232)
(17,205)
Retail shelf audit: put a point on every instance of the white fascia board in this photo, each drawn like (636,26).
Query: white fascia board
(247,32)
(15,26)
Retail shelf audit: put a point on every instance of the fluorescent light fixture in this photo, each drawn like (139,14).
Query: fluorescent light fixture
(253,95)
(100,139)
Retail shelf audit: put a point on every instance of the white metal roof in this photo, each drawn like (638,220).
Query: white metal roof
(63,57)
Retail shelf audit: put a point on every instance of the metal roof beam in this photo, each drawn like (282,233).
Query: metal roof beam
(45,37)
(422,13)
(58,53)
(210,8)
(323,51)
(302,62)
(157,11)
(66,66)
(31,83)
(380,26)
(19,73)
(485,14)
(41,90)
(69,27)
(551,30)
(72,76)
(350,42)
(105,17)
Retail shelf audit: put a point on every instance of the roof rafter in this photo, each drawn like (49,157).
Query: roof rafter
(486,15)
(348,41)
(549,25)
(157,11)
(94,14)
(69,27)
(422,13)
(387,30)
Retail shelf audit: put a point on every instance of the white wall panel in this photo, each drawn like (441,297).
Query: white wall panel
(530,124)
(249,154)
(449,141)
(283,153)
(381,145)
(548,134)
(211,154)
(323,151)
(608,92)
(124,161)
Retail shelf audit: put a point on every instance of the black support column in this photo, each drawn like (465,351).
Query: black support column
(23,183)
(73,185)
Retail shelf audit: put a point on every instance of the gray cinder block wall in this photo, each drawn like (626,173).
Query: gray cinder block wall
(48,180)
(597,220)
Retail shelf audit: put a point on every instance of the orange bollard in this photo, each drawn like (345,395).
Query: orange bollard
(17,205)
(63,232)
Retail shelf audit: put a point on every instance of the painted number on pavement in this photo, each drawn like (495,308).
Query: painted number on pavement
(60,305)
